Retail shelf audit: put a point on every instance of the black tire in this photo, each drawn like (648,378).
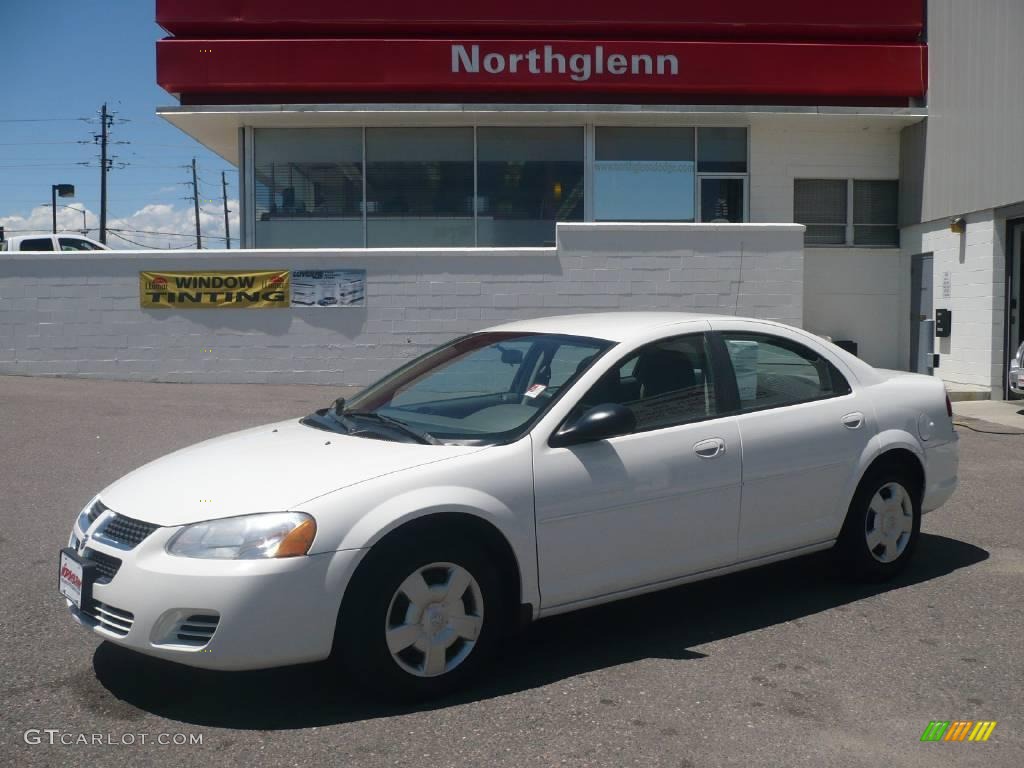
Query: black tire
(854,556)
(360,646)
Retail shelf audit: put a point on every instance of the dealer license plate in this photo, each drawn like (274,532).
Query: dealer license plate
(71,578)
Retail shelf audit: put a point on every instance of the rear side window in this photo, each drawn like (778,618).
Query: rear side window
(772,372)
(37,244)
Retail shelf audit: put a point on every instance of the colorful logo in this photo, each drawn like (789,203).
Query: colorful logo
(958,730)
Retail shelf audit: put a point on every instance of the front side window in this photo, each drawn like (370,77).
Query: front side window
(480,389)
(76,244)
(665,384)
(772,372)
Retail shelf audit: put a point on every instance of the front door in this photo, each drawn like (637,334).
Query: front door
(648,506)
(922,326)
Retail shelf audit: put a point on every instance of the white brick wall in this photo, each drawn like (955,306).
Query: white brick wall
(849,293)
(972,356)
(79,315)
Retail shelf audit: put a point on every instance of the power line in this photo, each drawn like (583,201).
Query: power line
(168,234)
(143,245)
(35,143)
(45,120)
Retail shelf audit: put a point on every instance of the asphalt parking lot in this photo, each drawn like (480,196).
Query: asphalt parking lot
(782,666)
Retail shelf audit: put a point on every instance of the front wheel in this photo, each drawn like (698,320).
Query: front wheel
(421,617)
(882,526)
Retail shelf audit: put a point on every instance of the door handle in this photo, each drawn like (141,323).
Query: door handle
(853,420)
(709,449)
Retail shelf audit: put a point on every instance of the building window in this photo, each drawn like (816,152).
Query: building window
(875,218)
(847,212)
(309,187)
(419,187)
(721,199)
(644,174)
(527,180)
(722,150)
(494,186)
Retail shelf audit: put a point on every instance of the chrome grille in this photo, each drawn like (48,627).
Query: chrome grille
(106,565)
(127,531)
(110,618)
(96,510)
(197,629)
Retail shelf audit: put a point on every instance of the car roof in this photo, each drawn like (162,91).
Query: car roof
(611,326)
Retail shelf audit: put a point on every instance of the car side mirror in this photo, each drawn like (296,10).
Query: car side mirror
(599,423)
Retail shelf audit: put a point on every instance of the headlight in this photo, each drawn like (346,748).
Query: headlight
(250,537)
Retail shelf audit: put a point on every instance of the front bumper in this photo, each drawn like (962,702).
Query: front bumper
(942,464)
(266,613)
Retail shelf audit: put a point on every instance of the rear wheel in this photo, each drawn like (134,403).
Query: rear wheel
(422,616)
(882,525)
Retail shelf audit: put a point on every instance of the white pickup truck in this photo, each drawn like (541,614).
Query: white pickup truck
(58,242)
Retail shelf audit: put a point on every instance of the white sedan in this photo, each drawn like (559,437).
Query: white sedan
(520,472)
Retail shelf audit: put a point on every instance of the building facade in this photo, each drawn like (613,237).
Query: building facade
(446,125)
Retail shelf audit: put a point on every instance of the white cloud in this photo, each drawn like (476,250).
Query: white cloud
(177,224)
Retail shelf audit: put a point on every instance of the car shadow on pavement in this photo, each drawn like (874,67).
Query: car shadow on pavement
(675,622)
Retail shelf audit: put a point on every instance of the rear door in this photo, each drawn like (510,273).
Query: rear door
(803,428)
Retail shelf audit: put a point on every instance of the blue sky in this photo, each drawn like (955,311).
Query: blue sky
(60,61)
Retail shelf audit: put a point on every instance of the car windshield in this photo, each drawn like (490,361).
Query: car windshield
(481,389)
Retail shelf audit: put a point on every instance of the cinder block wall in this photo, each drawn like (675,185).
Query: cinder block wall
(974,355)
(79,314)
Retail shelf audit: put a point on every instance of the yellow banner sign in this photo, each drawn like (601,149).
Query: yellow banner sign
(228,288)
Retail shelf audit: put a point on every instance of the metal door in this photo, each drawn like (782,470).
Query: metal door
(922,324)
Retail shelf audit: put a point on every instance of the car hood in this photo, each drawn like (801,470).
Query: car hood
(271,468)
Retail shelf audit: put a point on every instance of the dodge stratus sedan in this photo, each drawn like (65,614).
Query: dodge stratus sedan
(520,472)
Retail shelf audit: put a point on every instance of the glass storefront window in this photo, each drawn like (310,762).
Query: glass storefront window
(309,187)
(528,179)
(722,150)
(487,186)
(643,174)
(419,187)
(721,200)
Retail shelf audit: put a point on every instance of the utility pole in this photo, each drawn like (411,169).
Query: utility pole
(224,191)
(105,121)
(195,200)
(106,162)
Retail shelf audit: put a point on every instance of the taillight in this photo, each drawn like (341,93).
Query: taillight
(949,406)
